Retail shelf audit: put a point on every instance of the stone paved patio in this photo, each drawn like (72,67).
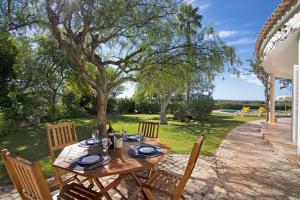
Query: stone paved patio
(245,167)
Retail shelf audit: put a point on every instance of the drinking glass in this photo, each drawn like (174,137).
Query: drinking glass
(94,135)
(125,130)
(105,144)
(139,137)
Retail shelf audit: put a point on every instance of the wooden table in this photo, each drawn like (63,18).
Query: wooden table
(121,163)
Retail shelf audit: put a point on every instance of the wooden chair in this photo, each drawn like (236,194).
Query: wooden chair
(59,136)
(171,185)
(149,129)
(30,183)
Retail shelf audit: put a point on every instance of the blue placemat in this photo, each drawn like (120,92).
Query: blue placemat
(76,166)
(126,139)
(134,152)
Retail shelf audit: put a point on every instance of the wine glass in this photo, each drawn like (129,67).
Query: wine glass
(94,135)
(139,137)
(105,144)
(125,130)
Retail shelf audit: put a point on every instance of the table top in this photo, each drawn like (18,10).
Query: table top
(120,162)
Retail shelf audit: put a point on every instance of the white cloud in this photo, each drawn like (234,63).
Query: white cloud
(225,34)
(204,6)
(251,78)
(242,41)
(190,1)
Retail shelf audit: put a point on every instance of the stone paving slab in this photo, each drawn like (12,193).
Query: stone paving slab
(245,167)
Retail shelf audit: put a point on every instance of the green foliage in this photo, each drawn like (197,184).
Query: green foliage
(200,107)
(112,105)
(148,107)
(6,126)
(8,53)
(197,108)
(126,105)
(181,112)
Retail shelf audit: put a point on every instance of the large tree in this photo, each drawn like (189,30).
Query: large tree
(109,41)
(163,83)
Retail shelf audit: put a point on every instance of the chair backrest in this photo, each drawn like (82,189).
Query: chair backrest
(27,177)
(189,168)
(149,129)
(261,109)
(246,109)
(59,136)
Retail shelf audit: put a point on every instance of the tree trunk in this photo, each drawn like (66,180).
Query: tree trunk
(101,113)
(52,113)
(163,109)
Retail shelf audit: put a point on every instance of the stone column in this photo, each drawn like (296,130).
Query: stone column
(272,99)
(296,106)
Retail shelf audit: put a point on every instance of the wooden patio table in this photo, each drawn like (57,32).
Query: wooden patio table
(121,163)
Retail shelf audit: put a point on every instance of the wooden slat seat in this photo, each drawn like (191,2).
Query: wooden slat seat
(149,129)
(30,183)
(169,184)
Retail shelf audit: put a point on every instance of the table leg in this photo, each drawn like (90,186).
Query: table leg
(136,179)
(101,187)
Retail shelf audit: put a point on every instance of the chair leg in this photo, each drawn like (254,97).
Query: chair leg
(147,194)
(183,197)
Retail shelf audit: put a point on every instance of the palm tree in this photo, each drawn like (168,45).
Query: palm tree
(189,21)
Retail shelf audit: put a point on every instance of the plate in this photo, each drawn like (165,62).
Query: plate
(131,137)
(92,141)
(90,159)
(147,149)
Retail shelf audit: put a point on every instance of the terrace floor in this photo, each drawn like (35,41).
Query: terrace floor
(244,167)
(278,135)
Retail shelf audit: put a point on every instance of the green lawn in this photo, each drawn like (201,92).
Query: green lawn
(31,143)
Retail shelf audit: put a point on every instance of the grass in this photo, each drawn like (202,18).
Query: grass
(31,143)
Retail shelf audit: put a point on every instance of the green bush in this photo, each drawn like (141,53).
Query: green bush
(126,105)
(6,126)
(181,112)
(197,108)
(72,108)
(112,105)
(148,107)
(200,107)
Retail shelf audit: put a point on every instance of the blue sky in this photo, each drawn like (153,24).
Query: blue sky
(238,23)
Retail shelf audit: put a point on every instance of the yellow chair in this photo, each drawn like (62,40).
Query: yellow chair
(261,110)
(245,109)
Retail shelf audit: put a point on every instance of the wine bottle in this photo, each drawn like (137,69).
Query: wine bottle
(111,134)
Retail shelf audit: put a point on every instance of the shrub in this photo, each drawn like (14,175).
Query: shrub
(200,107)
(181,113)
(126,105)
(148,107)
(197,108)
(72,105)
(112,105)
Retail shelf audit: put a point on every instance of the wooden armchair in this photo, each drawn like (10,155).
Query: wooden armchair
(30,183)
(171,185)
(149,129)
(59,136)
